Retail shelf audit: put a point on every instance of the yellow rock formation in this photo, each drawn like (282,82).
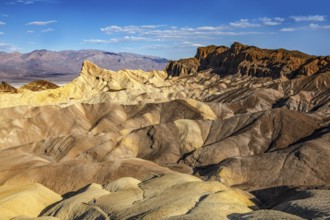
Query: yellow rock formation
(92,80)
(26,200)
(172,196)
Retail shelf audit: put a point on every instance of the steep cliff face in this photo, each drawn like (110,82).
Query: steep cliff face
(183,67)
(249,60)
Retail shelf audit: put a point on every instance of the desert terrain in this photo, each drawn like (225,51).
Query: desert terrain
(235,132)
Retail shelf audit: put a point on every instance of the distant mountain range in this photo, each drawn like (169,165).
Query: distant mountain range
(66,65)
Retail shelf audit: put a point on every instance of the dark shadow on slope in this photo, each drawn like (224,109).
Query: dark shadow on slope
(64,197)
(315,135)
(280,103)
(287,199)
(206,171)
(270,197)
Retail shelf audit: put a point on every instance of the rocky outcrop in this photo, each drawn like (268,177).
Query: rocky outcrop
(183,67)
(171,196)
(5,87)
(39,85)
(252,61)
(25,200)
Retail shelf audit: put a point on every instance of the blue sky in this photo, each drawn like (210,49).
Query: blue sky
(169,29)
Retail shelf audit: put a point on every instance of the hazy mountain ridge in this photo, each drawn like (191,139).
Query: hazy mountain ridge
(65,65)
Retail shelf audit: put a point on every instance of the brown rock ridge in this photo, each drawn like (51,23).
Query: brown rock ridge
(252,61)
(39,85)
(5,87)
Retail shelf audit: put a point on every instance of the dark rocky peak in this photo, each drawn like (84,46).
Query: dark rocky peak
(237,47)
(250,60)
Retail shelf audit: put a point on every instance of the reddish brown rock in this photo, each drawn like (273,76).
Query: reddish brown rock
(249,60)
(183,67)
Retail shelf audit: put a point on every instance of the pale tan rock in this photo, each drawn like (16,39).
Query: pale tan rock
(176,196)
(75,206)
(92,80)
(37,218)
(25,200)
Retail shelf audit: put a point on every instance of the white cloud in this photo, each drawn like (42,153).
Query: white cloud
(198,45)
(133,38)
(316,26)
(171,35)
(121,39)
(289,29)
(25,2)
(193,33)
(311,26)
(271,21)
(155,47)
(7,47)
(309,18)
(154,33)
(28,2)
(232,33)
(191,44)
(99,41)
(47,30)
(2,33)
(211,28)
(2,23)
(180,33)
(131,29)
(243,23)
(4,15)
(41,23)
(206,28)
(29,32)
(279,19)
